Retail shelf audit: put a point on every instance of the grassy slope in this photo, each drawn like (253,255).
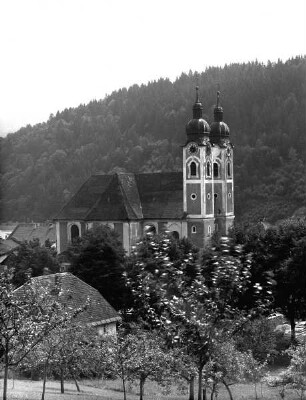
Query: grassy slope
(111,390)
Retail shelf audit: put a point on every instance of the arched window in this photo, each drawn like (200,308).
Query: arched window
(175,235)
(209,230)
(208,171)
(75,232)
(229,172)
(193,229)
(216,170)
(193,169)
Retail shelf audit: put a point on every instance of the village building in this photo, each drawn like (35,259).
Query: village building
(73,293)
(193,203)
(26,232)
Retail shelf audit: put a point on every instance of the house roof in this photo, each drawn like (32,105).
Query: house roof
(75,293)
(7,246)
(30,231)
(124,196)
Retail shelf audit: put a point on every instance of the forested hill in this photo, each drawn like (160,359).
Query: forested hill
(141,129)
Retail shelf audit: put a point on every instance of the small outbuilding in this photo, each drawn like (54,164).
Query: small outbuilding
(75,293)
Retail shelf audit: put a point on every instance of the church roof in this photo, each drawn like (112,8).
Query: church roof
(126,196)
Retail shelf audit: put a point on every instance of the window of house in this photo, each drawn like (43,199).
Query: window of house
(216,170)
(193,229)
(208,196)
(193,196)
(75,232)
(209,230)
(175,235)
(229,172)
(208,171)
(193,169)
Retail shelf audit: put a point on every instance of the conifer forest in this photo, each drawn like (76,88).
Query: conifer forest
(142,129)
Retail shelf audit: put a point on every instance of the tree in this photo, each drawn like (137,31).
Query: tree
(157,257)
(69,351)
(98,259)
(139,355)
(31,259)
(258,336)
(27,316)
(280,252)
(194,314)
(184,366)
(294,377)
(296,372)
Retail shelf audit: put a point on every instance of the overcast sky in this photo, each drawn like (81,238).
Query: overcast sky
(56,54)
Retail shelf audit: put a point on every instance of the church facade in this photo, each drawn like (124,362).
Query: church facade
(193,203)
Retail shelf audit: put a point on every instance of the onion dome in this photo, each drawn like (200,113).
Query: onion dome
(218,129)
(197,128)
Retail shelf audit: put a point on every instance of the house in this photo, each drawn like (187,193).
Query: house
(193,203)
(30,231)
(26,232)
(75,293)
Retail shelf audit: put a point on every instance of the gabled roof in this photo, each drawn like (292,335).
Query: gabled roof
(74,293)
(7,246)
(30,231)
(126,196)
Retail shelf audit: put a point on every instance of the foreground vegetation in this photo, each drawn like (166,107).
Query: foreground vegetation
(198,321)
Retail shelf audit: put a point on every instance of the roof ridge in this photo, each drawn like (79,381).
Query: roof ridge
(126,198)
(71,199)
(99,198)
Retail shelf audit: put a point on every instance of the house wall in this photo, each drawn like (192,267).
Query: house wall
(107,329)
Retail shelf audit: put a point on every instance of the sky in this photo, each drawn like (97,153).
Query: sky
(57,54)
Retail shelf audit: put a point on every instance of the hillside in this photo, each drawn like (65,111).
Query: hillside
(141,129)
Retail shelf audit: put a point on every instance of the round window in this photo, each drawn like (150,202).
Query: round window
(193,196)
(208,196)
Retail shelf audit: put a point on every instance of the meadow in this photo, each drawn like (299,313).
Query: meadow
(112,390)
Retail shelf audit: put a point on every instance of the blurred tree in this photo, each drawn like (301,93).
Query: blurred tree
(98,259)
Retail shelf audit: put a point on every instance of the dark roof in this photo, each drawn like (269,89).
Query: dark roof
(75,293)
(161,195)
(30,231)
(126,196)
(7,246)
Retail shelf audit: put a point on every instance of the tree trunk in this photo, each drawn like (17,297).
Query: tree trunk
(142,382)
(228,390)
(76,384)
(123,381)
(6,370)
(291,315)
(212,392)
(191,388)
(45,379)
(200,384)
(62,382)
(292,325)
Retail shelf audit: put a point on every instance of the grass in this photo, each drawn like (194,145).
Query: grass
(112,390)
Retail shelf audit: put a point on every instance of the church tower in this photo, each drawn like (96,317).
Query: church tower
(208,175)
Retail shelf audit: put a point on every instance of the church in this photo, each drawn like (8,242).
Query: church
(193,203)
